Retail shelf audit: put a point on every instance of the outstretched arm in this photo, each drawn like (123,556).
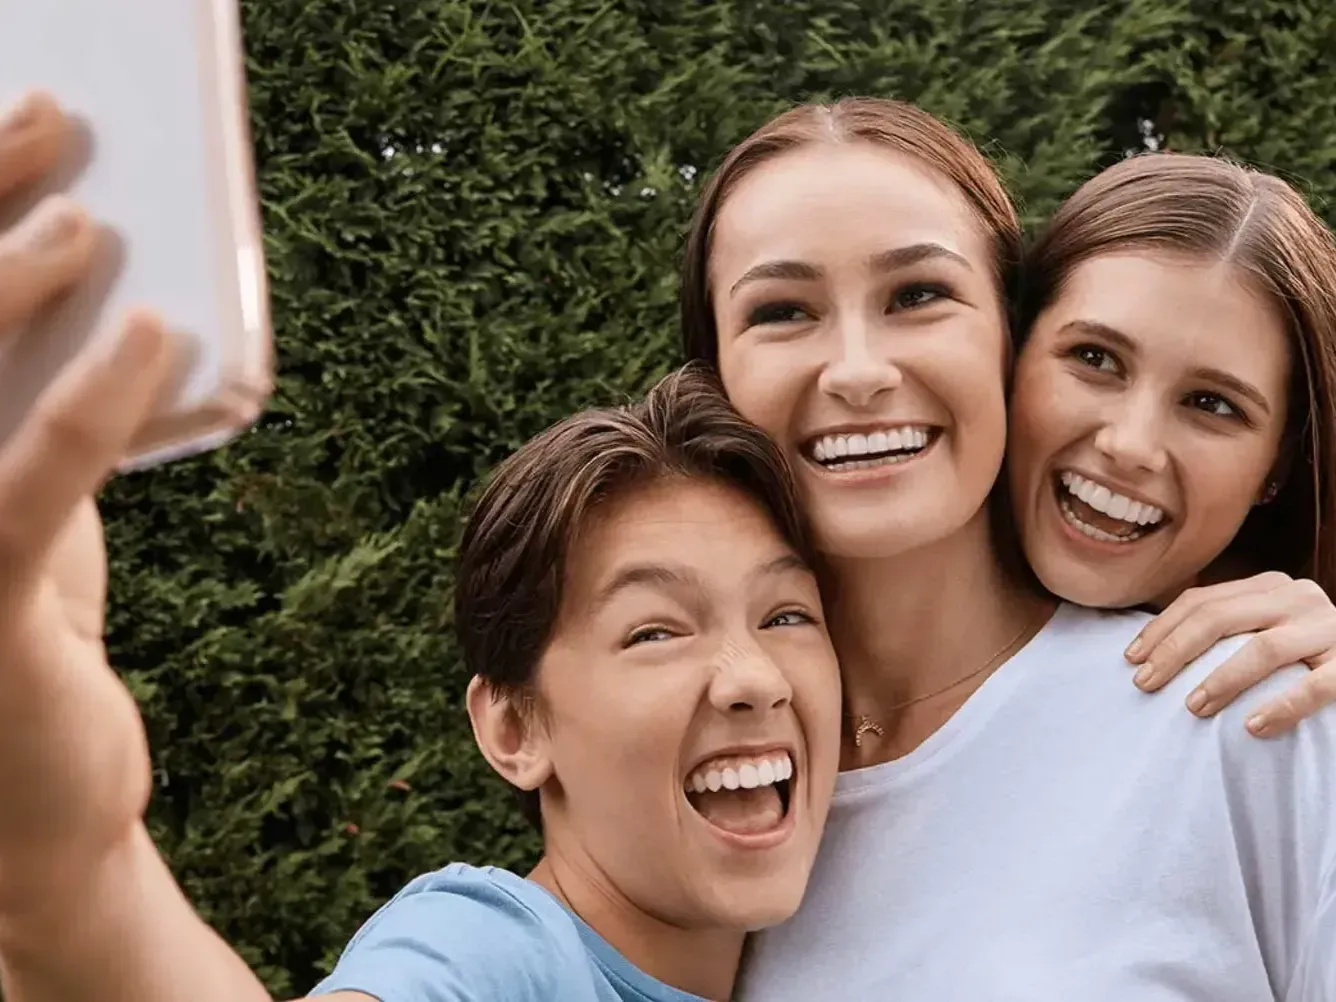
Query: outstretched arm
(88,909)
(1294,622)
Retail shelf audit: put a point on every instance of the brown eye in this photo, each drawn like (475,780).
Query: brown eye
(1212,403)
(917,295)
(1095,357)
(776,313)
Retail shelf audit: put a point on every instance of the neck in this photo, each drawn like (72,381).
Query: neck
(912,626)
(702,962)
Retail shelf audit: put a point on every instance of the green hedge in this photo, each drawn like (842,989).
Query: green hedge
(474,213)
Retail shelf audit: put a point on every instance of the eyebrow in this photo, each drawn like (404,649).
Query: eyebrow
(888,260)
(1219,377)
(668,576)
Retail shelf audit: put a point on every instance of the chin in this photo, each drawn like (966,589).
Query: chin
(888,528)
(1088,586)
(752,907)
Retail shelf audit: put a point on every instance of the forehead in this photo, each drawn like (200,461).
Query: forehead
(709,529)
(1182,311)
(825,202)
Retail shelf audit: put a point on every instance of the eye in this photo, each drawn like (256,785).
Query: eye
(649,635)
(918,294)
(1094,357)
(776,313)
(1212,403)
(789,617)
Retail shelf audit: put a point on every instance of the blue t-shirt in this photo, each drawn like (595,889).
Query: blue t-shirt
(482,934)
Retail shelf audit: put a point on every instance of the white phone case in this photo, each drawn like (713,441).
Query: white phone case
(158,87)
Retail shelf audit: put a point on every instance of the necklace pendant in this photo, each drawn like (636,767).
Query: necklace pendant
(866,724)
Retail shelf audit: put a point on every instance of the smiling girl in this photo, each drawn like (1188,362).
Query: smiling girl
(1015,818)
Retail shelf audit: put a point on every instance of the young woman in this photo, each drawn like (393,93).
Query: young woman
(1037,831)
(1188,426)
(652,671)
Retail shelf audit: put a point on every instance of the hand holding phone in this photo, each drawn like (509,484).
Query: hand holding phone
(160,156)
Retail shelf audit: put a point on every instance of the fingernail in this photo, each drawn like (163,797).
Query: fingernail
(56,224)
(1142,678)
(23,114)
(1133,650)
(1257,724)
(1198,700)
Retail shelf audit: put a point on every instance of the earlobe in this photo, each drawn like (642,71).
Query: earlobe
(510,736)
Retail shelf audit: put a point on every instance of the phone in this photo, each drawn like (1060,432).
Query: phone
(164,162)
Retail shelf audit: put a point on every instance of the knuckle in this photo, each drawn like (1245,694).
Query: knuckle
(1310,591)
(1273,579)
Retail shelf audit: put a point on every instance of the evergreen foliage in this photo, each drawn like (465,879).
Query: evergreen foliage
(474,214)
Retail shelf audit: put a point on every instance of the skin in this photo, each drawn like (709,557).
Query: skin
(854,290)
(88,908)
(688,630)
(1176,396)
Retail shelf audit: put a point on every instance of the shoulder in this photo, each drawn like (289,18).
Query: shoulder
(462,934)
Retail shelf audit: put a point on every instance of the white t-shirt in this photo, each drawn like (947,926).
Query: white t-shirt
(1068,838)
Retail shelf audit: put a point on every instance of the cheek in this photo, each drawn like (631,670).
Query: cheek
(1045,411)
(759,381)
(1222,485)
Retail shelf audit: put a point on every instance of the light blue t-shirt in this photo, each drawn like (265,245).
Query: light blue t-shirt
(483,934)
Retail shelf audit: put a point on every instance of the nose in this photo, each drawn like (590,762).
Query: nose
(859,372)
(747,678)
(1130,438)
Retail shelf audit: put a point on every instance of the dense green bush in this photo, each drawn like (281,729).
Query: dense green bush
(474,212)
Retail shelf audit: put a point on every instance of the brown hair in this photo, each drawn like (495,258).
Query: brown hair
(899,127)
(1213,208)
(513,554)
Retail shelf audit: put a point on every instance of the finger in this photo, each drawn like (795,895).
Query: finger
(44,255)
(1286,711)
(32,135)
(76,434)
(1160,640)
(1258,659)
(78,569)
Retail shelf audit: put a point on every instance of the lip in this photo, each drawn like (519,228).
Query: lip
(765,840)
(866,427)
(1076,538)
(755,749)
(753,843)
(872,474)
(1115,486)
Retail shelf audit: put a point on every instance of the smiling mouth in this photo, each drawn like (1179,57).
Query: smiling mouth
(887,447)
(1102,514)
(743,795)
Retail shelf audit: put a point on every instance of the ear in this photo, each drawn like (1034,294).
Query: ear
(510,735)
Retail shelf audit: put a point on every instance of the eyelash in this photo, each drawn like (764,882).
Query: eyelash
(781,311)
(646,634)
(1081,350)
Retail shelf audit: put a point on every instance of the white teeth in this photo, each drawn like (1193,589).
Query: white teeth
(1115,505)
(746,773)
(907,439)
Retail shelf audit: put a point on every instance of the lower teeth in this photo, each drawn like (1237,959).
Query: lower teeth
(1074,520)
(889,459)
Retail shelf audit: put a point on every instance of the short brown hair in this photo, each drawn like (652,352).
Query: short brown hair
(895,125)
(515,546)
(1216,209)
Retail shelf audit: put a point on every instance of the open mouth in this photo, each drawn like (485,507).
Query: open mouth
(1102,514)
(886,447)
(743,795)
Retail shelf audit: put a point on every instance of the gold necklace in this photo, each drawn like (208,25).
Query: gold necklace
(863,723)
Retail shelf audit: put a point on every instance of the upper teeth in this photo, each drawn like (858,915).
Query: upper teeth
(1110,503)
(744,772)
(888,440)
